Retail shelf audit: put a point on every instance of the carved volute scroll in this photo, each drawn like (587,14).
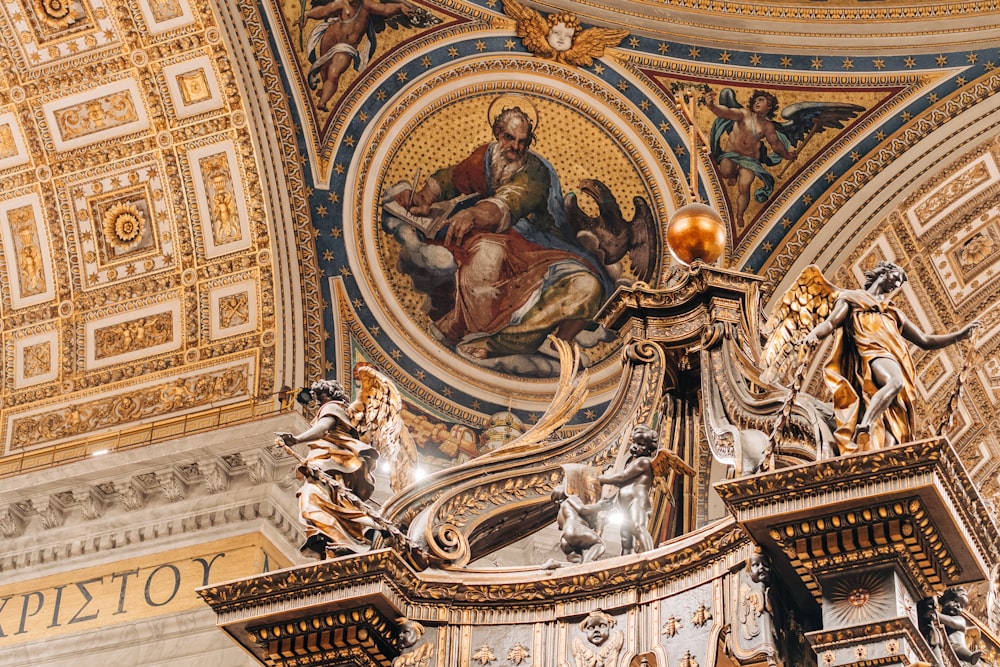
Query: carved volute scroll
(697,337)
(459,514)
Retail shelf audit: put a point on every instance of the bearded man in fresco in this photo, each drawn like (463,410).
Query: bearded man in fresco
(521,274)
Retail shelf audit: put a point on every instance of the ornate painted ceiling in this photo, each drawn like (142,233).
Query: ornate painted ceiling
(191,194)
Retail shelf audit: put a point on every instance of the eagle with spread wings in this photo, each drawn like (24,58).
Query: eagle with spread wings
(560,37)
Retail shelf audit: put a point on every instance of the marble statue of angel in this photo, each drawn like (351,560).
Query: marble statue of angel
(870,372)
(338,472)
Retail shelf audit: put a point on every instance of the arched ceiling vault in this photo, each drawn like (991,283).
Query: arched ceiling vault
(171,195)
(838,26)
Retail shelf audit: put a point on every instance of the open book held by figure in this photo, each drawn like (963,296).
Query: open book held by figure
(440,212)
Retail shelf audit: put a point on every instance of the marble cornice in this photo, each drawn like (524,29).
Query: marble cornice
(106,507)
(383,575)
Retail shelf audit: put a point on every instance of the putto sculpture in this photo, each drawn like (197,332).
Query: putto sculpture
(580,514)
(587,500)
(634,483)
(953,602)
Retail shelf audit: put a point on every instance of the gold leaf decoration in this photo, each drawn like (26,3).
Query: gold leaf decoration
(57,13)
(123,226)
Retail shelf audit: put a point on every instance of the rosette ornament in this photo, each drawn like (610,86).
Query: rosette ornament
(123,226)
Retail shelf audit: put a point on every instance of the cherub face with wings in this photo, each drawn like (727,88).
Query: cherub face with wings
(561,37)
(562,28)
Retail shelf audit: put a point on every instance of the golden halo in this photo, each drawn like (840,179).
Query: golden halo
(510,101)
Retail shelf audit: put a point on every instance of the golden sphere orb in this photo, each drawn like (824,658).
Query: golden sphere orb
(696,232)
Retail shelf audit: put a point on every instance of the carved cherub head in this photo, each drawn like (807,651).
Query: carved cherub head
(644,441)
(410,632)
(597,627)
(562,28)
(954,600)
(759,567)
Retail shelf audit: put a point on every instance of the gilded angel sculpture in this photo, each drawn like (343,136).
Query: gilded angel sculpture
(558,36)
(338,472)
(870,373)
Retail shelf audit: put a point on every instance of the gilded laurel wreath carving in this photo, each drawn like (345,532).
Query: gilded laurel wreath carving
(457,510)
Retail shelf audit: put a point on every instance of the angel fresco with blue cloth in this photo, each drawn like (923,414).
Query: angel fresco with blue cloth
(336,42)
(747,141)
(519,261)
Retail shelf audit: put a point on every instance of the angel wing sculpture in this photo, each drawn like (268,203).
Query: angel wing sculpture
(377,415)
(804,305)
(870,372)
(560,36)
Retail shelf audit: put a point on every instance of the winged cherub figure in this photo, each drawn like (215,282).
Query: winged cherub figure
(870,373)
(559,36)
(745,141)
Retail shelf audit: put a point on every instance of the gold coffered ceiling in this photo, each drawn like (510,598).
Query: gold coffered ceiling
(138,265)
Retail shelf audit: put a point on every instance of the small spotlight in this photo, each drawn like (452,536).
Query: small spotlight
(99,452)
(419,473)
(385,466)
(615,518)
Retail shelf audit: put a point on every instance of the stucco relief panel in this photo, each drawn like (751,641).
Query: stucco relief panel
(950,194)
(221,199)
(970,256)
(105,112)
(193,87)
(232,308)
(48,31)
(122,223)
(225,381)
(13,152)
(28,258)
(161,16)
(135,334)
(35,358)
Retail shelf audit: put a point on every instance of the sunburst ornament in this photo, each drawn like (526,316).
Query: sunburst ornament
(859,598)
(123,226)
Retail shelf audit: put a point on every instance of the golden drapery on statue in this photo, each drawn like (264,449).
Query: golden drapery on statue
(870,373)
(325,509)
(875,331)
(338,472)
